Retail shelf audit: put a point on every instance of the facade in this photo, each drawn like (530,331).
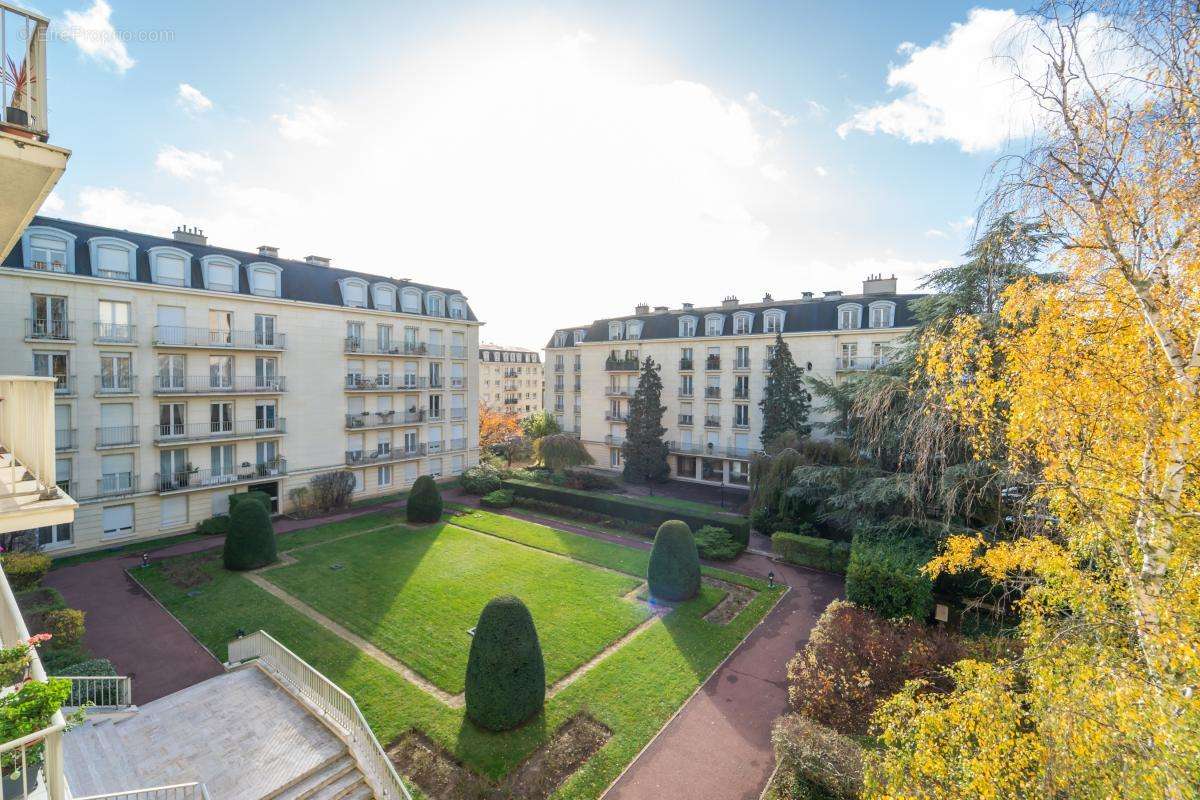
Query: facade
(713,369)
(186,372)
(511,379)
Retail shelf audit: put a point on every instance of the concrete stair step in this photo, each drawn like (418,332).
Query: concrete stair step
(306,785)
(341,788)
(362,793)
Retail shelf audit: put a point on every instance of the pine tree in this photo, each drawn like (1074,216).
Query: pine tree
(785,400)
(644,451)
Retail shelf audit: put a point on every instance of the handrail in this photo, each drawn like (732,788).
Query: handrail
(175,791)
(331,702)
(100,691)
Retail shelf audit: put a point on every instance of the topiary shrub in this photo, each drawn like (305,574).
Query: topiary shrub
(251,540)
(261,498)
(717,544)
(65,625)
(25,570)
(674,572)
(506,675)
(424,501)
(501,498)
(811,551)
(480,480)
(215,526)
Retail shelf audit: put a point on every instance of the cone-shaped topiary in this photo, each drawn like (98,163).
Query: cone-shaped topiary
(250,543)
(424,501)
(506,676)
(674,572)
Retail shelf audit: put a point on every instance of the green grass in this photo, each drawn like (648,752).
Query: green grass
(633,692)
(144,546)
(676,504)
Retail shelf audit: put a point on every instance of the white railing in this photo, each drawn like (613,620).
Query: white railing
(27,423)
(100,691)
(331,702)
(178,791)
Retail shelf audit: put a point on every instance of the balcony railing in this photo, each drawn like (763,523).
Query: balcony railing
(458,413)
(741,393)
(114,333)
(381,455)
(712,362)
(458,444)
(382,419)
(612,364)
(712,391)
(227,429)
(744,426)
(377,348)
(436,414)
(616,416)
(171,336)
(114,484)
(199,478)
(64,385)
(208,384)
(578,367)
(53,330)
(685,419)
(686,391)
(385,383)
(557,368)
(618,391)
(614,439)
(119,383)
(116,436)
(114,274)
(66,439)
(712,422)
(859,363)
(741,364)
(437,382)
(458,382)
(23,47)
(458,351)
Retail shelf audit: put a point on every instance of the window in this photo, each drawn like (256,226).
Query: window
(171,419)
(384,477)
(266,454)
(48,249)
(112,257)
(55,536)
(633,329)
(741,357)
(222,461)
(354,336)
(383,295)
(116,372)
(883,314)
(773,321)
(219,273)
(170,266)
(580,335)
(615,331)
(220,417)
(435,304)
(458,307)
(113,322)
(687,326)
(116,474)
(116,522)
(741,387)
(265,279)
(560,338)
(743,323)
(171,370)
(220,372)
(264,331)
(410,300)
(354,292)
(741,415)
(265,418)
(116,425)
(714,324)
(266,373)
(849,355)
(49,318)
(849,316)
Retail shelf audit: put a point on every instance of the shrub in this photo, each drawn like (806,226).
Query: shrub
(506,675)
(590,481)
(65,625)
(811,551)
(717,544)
(218,525)
(25,570)
(424,501)
(814,760)
(90,667)
(331,490)
(251,540)
(35,601)
(674,571)
(262,498)
(501,498)
(855,660)
(885,574)
(630,508)
(581,515)
(480,480)
(558,451)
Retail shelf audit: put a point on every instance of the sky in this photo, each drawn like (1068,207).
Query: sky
(557,162)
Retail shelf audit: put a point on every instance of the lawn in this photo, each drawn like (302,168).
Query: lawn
(633,691)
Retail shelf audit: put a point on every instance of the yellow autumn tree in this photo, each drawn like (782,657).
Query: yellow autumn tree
(1090,393)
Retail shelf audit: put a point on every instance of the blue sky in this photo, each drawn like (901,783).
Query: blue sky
(558,162)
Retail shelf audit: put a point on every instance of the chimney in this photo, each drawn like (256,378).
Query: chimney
(729,302)
(767,298)
(317,261)
(834,293)
(189,235)
(877,284)
(807,295)
(641,308)
(688,306)
(659,309)
(268,251)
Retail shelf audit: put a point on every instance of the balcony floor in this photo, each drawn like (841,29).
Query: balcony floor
(28,171)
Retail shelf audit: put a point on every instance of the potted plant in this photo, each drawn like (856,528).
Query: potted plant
(246,470)
(21,80)
(15,660)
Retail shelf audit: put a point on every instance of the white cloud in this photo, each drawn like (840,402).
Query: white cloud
(53,205)
(113,207)
(936,233)
(309,123)
(192,100)
(755,102)
(815,109)
(93,33)
(821,171)
(186,163)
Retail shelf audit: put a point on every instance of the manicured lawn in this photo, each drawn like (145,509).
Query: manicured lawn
(633,691)
(676,504)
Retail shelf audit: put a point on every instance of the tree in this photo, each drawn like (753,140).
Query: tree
(674,570)
(500,433)
(785,400)
(506,674)
(250,543)
(560,451)
(644,451)
(539,424)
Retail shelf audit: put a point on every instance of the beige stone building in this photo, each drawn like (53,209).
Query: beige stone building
(713,369)
(511,379)
(186,372)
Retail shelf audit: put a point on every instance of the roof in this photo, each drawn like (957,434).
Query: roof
(800,316)
(300,280)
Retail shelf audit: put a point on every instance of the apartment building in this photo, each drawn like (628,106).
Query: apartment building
(511,379)
(185,372)
(713,369)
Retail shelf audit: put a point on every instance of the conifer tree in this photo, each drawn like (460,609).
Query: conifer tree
(644,451)
(785,400)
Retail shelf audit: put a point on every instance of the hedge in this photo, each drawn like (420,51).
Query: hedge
(218,525)
(674,570)
(262,498)
(629,508)
(811,551)
(25,570)
(506,674)
(501,498)
(885,575)
(251,540)
(424,502)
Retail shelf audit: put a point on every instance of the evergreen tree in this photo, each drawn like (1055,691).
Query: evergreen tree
(644,451)
(785,400)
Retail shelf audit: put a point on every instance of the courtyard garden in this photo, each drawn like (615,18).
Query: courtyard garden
(617,665)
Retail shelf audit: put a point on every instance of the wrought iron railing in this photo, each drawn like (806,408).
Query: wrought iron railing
(219,430)
(218,338)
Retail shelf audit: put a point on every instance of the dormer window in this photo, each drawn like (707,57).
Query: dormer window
(883,314)
(48,249)
(112,257)
(614,331)
(354,292)
(633,329)
(714,324)
(849,316)
(219,273)
(435,304)
(773,321)
(687,327)
(265,280)
(560,338)
(170,266)
(743,323)
(580,335)
(383,296)
(410,300)
(458,307)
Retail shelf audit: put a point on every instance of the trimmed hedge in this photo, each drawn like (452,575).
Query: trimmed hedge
(811,551)
(24,570)
(501,498)
(629,508)
(251,540)
(506,674)
(261,498)
(884,574)
(215,526)
(424,501)
(674,570)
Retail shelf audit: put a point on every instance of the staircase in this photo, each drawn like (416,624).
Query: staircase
(337,779)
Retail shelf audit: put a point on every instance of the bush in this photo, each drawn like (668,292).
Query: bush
(855,660)
(580,515)
(590,481)
(501,498)
(91,667)
(811,551)
(251,540)
(25,570)
(331,490)
(815,761)
(506,675)
(560,451)
(480,480)
(717,544)
(218,525)
(885,574)
(65,625)
(35,601)
(424,501)
(674,571)
(262,498)
(630,508)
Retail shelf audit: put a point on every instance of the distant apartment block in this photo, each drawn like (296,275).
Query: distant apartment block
(511,379)
(713,362)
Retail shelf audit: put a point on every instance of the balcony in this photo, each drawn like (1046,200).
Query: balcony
(618,391)
(712,391)
(458,414)
(615,416)
(614,439)
(712,363)
(458,351)
(116,436)
(686,419)
(436,414)
(217,339)
(388,348)
(66,439)
(29,496)
(207,384)
(741,392)
(457,444)
(384,383)
(558,367)
(712,422)
(384,455)
(612,364)
(858,363)
(437,382)
(196,478)
(114,333)
(741,426)
(458,382)
(685,391)
(119,383)
(64,385)
(741,365)
(578,367)
(116,484)
(173,433)
(384,419)
(50,330)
